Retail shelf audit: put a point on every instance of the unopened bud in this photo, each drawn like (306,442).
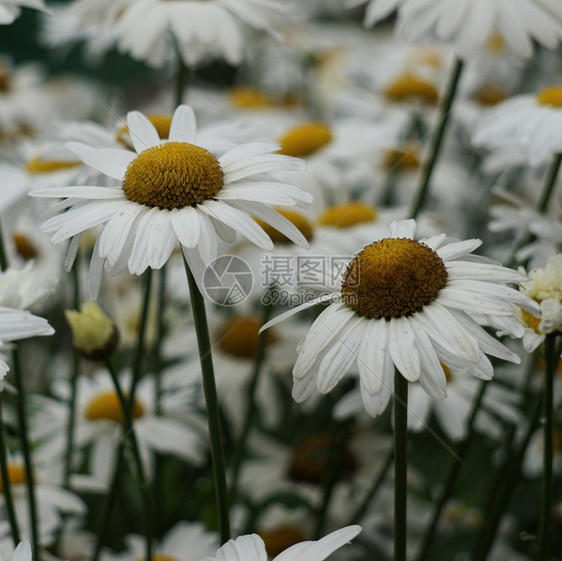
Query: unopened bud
(94,335)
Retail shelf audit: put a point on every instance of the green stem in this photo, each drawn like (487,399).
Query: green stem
(336,453)
(26,452)
(143,483)
(454,472)
(251,407)
(551,361)
(73,382)
(360,511)
(137,359)
(3,255)
(400,465)
(213,413)
(437,140)
(6,483)
(104,516)
(509,479)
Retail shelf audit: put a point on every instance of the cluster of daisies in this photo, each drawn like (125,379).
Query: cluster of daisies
(305,243)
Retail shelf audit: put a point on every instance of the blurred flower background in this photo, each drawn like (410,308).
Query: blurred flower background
(280,279)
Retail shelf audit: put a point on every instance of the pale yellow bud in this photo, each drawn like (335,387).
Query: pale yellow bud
(94,335)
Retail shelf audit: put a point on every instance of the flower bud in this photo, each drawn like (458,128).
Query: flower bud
(94,335)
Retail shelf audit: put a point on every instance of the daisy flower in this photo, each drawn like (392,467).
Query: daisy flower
(11,9)
(534,121)
(200,28)
(413,305)
(545,288)
(172,193)
(468,24)
(252,548)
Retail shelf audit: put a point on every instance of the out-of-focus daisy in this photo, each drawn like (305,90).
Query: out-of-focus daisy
(545,287)
(468,24)
(99,422)
(148,28)
(11,9)
(534,121)
(22,552)
(410,305)
(173,192)
(252,547)
(53,500)
(186,541)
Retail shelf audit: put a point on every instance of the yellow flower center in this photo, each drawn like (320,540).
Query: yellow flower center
(402,158)
(281,538)
(393,278)
(162,124)
(551,96)
(448,374)
(105,405)
(531,321)
(408,87)
(490,95)
(38,165)
(427,57)
(16,475)
(304,140)
(299,220)
(239,336)
(347,214)
(309,461)
(24,247)
(495,43)
(173,175)
(244,97)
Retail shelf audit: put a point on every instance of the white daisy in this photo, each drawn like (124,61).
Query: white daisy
(533,122)
(200,28)
(252,548)
(11,9)
(410,305)
(173,192)
(468,24)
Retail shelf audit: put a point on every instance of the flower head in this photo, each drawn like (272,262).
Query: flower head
(173,191)
(412,305)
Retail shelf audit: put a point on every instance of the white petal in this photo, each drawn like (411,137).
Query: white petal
(403,349)
(142,132)
(184,125)
(185,222)
(110,161)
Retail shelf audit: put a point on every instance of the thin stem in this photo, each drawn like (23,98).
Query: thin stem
(336,453)
(104,517)
(26,452)
(143,483)
(251,407)
(452,477)
(137,360)
(73,382)
(437,140)
(356,517)
(211,400)
(509,477)
(400,465)
(182,81)
(6,483)
(551,361)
